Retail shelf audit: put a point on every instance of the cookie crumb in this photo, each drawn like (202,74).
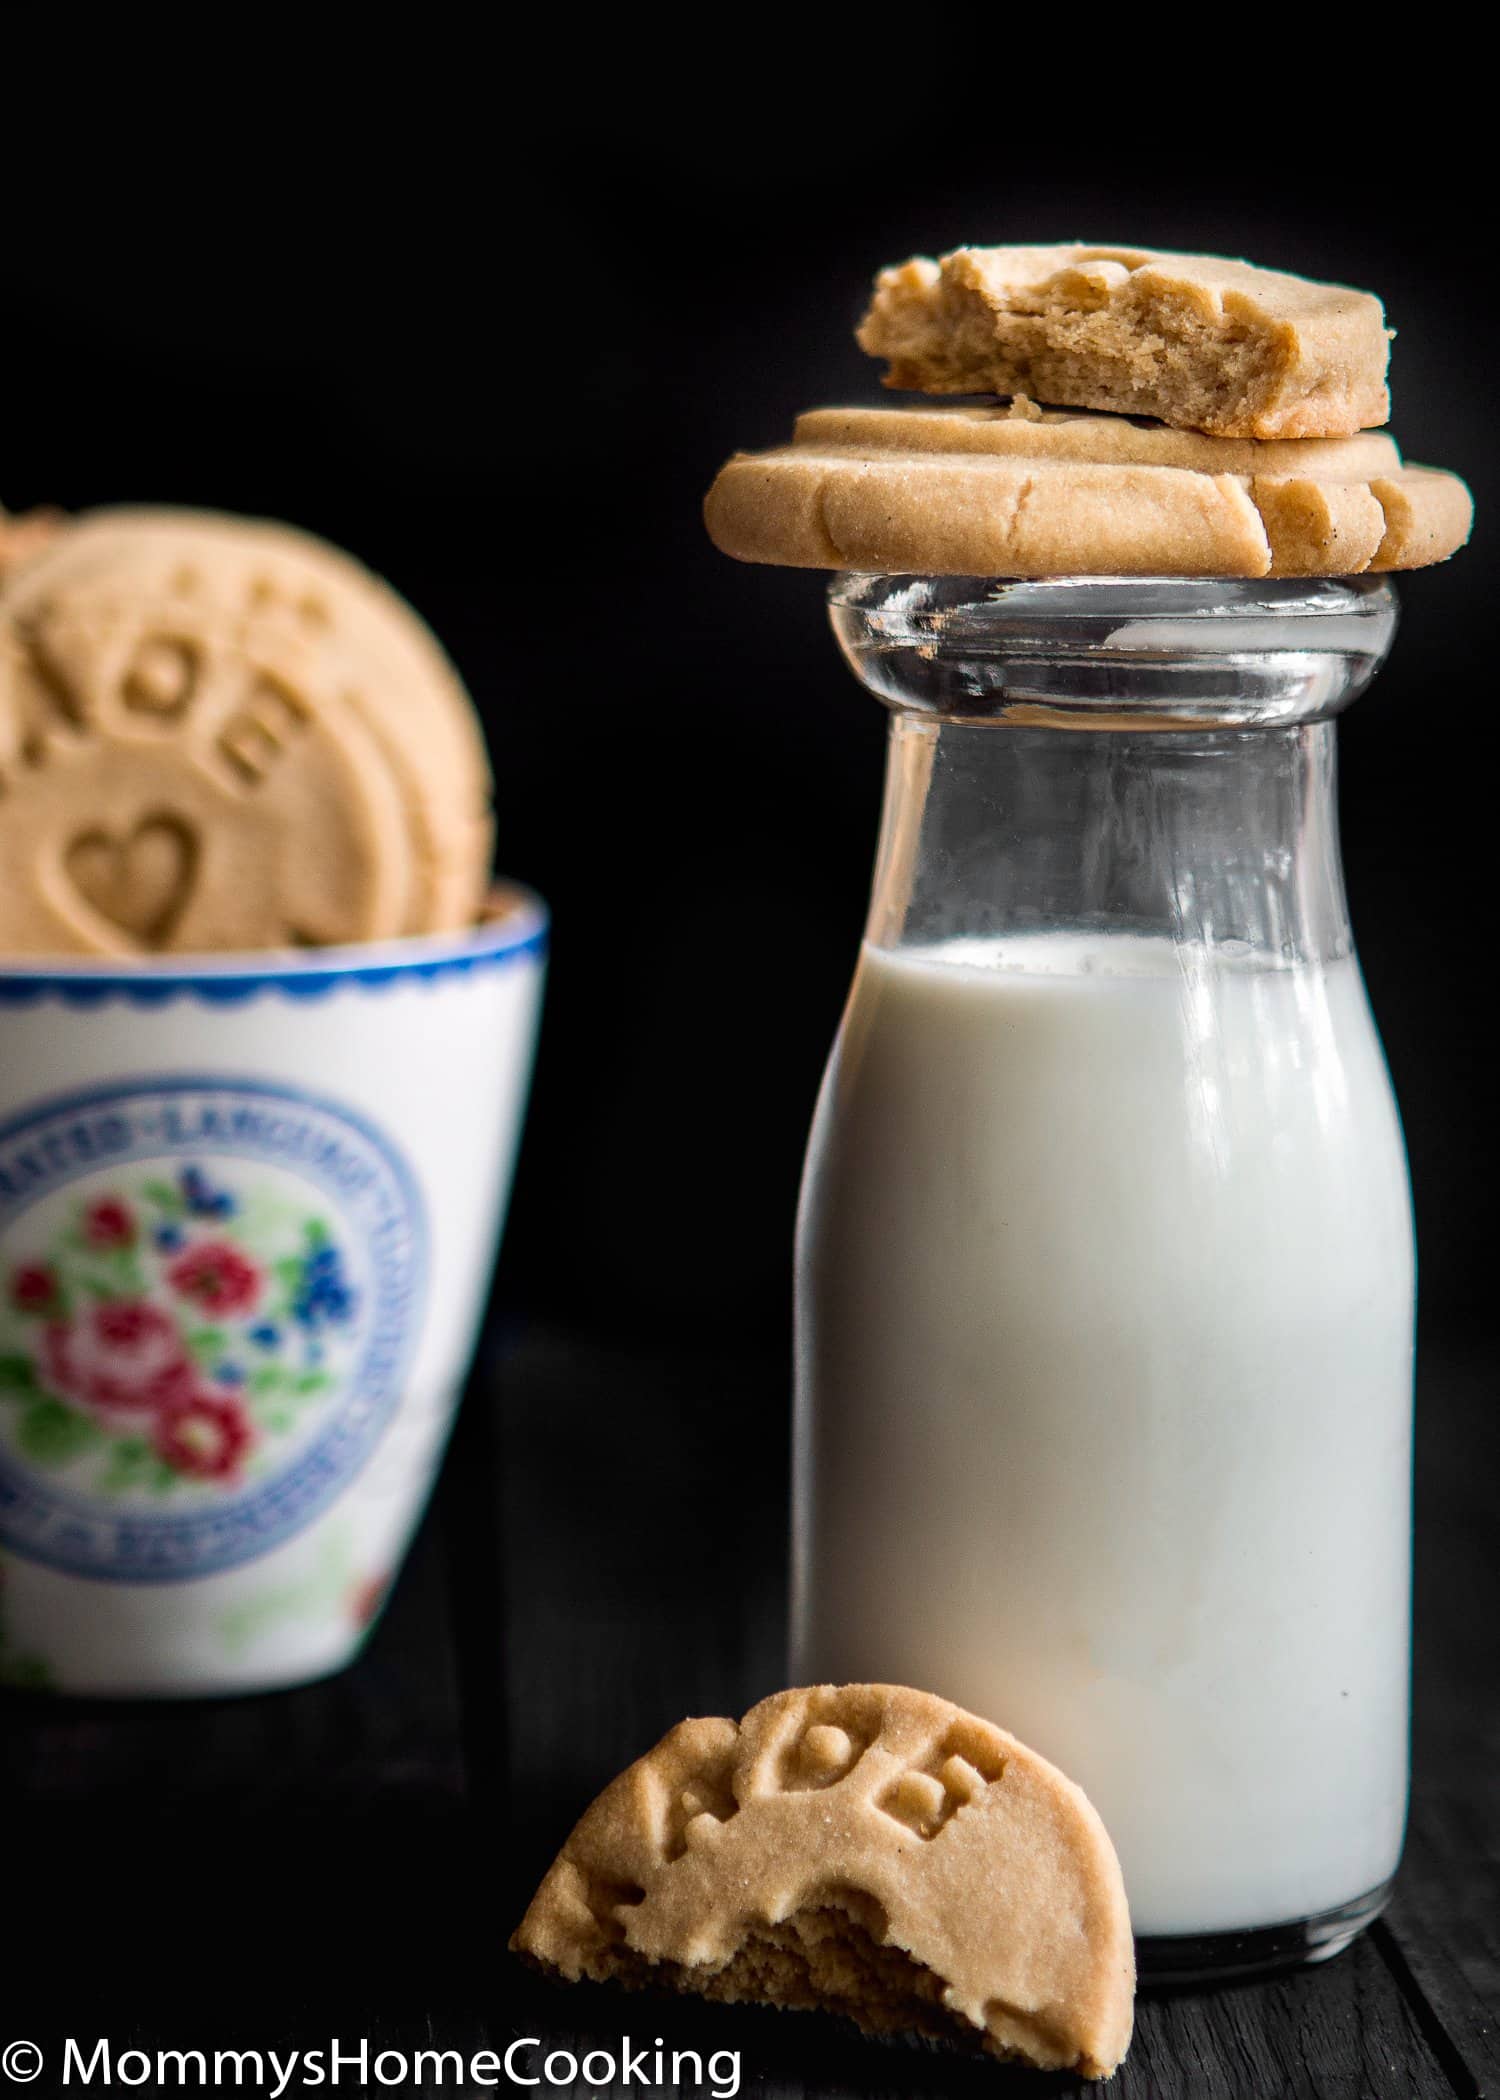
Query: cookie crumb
(26,533)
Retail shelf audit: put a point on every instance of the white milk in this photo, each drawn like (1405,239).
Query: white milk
(1105,1341)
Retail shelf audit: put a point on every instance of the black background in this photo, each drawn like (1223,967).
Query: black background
(495,334)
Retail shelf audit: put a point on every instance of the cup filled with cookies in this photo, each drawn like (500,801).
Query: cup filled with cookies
(266,1030)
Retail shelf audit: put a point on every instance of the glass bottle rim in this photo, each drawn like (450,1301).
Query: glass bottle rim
(1115,652)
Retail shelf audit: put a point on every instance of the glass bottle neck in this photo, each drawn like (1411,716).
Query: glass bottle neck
(1222,840)
(1140,756)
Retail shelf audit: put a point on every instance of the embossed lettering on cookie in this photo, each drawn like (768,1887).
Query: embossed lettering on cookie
(208,1294)
(221,734)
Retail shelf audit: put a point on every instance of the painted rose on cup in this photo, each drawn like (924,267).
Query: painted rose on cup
(172,1334)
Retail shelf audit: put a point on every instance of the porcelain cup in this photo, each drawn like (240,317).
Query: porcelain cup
(249,1207)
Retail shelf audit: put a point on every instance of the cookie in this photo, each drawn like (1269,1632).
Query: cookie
(382,660)
(274,822)
(862,1849)
(1196,340)
(1020,491)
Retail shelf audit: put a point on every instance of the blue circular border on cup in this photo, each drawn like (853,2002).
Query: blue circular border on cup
(81,1537)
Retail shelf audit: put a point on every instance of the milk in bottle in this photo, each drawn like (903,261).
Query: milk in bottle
(1105,1273)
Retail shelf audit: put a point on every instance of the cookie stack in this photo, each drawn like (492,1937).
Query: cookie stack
(1233,430)
(217,734)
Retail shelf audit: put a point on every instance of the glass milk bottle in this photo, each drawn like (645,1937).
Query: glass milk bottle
(1105,1270)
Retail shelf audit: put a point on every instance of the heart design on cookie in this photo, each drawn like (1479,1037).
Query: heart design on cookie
(140,881)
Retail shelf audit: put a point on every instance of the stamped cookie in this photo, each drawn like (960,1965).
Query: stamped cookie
(272,821)
(1198,341)
(1019,491)
(862,1849)
(382,662)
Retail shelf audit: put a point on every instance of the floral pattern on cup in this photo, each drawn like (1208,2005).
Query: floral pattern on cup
(172,1333)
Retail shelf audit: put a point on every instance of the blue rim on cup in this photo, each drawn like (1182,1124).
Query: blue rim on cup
(516,924)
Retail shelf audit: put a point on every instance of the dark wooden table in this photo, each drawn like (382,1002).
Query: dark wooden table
(605,1555)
